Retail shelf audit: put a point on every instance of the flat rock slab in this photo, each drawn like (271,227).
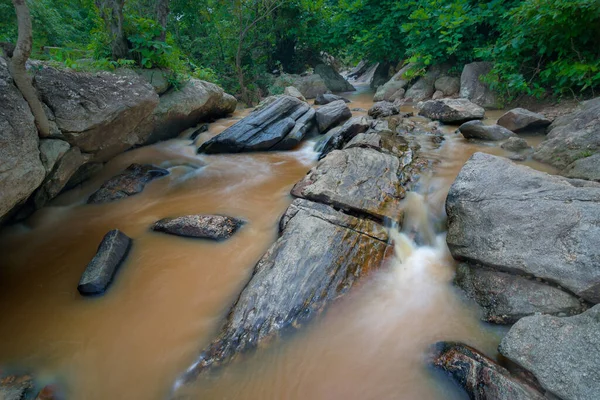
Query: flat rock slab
(481,377)
(478,130)
(358,180)
(330,115)
(100,271)
(506,298)
(562,353)
(452,111)
(263,130)
(319,256)
(512,218)
(214,227)
(522,120)
(130,182)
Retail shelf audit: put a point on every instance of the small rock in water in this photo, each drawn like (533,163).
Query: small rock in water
(215,227)
(515,144)
(451,110)
(131,181)
(478,130)
(520,120)
(100,271)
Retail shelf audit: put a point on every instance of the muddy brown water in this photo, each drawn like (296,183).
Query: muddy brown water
(171,295)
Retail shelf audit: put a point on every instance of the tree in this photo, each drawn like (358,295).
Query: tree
(111,12)
(162,12)
(17,57)
(248,14)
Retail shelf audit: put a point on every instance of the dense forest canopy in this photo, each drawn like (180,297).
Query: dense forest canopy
(538,46)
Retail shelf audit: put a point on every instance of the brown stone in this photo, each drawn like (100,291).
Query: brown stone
(131,181)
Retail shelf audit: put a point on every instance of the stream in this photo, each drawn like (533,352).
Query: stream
(169,298)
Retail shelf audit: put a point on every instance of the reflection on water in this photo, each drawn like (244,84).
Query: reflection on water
(171,295)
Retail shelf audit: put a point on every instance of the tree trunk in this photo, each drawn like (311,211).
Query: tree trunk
(162,12)
(16,67)
(111,12)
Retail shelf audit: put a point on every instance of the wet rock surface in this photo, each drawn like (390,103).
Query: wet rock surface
(481,377)
(522,120)
(130,182)
(452,110)
(478,130)
(214,227)
(327,98)
(512,218)
(562,353)
(506,298)
(100,271)
(264,130)
(320,254)
(344,134)
(332,114)
(384,109)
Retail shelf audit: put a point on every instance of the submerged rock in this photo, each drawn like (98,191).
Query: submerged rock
(264,130)
(319,256)
(481,377)
(512,218)
(130,182)
(451,110)
(215,227)
(506,298)
(327,98)
(474,89)
(562,353)
(478,130)
(332,114)
(522,120)
(100,271)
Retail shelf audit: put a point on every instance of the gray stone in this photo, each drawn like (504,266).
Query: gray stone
(351,128)
(310,86)
(128,183)
(381,75)
(424,87)
(266,129)
(448,85)
(293,92)
(305,126)
(332,114)
(562,353)
(506,298)
(478,130)
(473,89)
(214,227)
(438,95)
(51,150)
(181,109)
(99,273)
(510,217)
(572,137)
(21,170)
(481,377)
(451,110)
(320,254)
(16,387)
(334,81)
(391,91)
(584,168)
(383,109)
(155,77)
(515,144)
(359,180)
(327,98)
(98,113)
(522,120)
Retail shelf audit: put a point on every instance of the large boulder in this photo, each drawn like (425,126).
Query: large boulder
(181,109)
(320,254)
(522,120)
(448,85)
(584,168)
(293,92)
(155,77)
(279,126)
(571,138)
(452,111)
(214,227)
(100,271)
(128,183)
(562,353)
(424,87)
(334,81)
(310,85)
(394,88)
(481,131)
(327,98)
(381,75)
(472,87)
(512,218)
(98,113)
(332,114)
(481,377)
(506,298)
(21,170)
(347,132)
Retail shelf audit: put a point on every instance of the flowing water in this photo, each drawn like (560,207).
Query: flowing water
(171,295)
